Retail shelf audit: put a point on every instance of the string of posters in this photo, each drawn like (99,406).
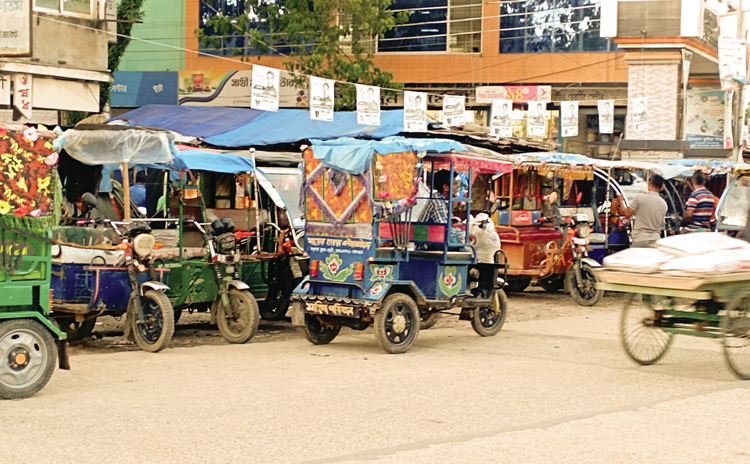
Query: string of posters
(265,96)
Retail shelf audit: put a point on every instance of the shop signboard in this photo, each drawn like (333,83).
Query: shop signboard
(131,89)
(15,27)
(487,94)
(233,88)
(704,125)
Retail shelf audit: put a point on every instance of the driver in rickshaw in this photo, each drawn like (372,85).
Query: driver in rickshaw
(436,210)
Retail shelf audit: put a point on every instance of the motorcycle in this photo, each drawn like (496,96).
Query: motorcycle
(234,308)
(580,280)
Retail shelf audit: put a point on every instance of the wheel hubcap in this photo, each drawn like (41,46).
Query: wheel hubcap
(25,361)
(399,323)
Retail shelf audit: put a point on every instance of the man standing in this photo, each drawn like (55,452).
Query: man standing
(650,210)
(700,206)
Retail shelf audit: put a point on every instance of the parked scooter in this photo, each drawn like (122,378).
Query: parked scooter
(234,308)
(580,281)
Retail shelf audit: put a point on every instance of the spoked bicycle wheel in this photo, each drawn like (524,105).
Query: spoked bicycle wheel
(641,336)
(735,327)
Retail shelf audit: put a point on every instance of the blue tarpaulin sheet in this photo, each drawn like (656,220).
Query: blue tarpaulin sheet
(242,127)
(354,156)
(207,160)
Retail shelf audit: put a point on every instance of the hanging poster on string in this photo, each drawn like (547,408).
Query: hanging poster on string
(537,119)
(454,107)
(415,111)
(501,124)
(569,118)
(368,105)
(606,116)
(265,94)
(640,114)
(321,98)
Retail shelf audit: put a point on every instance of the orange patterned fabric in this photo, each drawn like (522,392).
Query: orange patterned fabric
(26,174)
(394,176)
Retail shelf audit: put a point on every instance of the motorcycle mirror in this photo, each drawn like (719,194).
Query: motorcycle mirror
(89,200)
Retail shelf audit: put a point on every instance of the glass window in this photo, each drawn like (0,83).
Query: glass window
(424,31)
(539,26)
(77,6)
(48,4)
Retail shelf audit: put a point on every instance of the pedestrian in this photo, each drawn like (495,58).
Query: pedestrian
(700,206)
(138,190)
(649,209)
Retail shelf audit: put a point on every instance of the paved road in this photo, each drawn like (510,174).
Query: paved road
(551,387)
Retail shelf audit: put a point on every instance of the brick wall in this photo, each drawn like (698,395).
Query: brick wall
(660,83)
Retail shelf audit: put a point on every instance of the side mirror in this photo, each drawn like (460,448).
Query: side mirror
(90,200)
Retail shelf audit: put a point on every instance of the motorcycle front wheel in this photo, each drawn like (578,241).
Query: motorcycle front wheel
(239,326)
(155,332)
(586,294)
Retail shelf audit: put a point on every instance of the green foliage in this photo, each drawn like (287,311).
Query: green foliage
(128,13)
(334,39)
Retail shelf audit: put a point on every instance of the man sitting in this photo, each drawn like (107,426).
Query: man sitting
(436,210)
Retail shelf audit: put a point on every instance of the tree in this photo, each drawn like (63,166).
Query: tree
(129,12)
(334,39)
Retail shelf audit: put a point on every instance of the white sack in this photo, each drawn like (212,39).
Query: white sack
(699,243)
(640,260)
(718,262)
(487,240)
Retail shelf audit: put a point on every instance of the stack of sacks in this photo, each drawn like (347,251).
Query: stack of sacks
(685,255)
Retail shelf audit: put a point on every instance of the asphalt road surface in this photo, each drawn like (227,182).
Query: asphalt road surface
(553,387)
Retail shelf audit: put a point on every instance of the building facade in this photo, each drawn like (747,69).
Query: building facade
(54,52)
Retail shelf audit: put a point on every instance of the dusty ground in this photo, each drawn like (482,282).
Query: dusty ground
(195,329)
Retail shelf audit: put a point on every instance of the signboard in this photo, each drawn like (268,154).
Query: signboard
(22,94)
(233,88)
(513,92)
(589,96)
(15,27)
(144,88)
(4,90)
(732,62)
(704,125)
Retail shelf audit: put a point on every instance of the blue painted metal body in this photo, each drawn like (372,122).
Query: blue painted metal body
(93,285)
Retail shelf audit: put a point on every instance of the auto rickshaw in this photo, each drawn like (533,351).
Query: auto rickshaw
(734,205)
(546,202)
(30,343)
(102,266)
(374,260)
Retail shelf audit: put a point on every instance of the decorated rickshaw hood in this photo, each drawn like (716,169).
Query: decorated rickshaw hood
(354,156)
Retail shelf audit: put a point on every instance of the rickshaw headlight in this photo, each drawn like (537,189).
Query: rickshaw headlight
(143,244)
(583,230)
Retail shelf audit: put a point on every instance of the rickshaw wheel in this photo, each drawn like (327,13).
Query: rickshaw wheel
(590,295)
(318,333)
(488,321)
(397,323)
(27,358)
(275,309)
(643,340)
(242,327)
(429,319)
(156,333)
(76,330)
(735,327)
(517,285)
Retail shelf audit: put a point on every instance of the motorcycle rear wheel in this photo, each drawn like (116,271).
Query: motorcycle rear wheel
(588,295)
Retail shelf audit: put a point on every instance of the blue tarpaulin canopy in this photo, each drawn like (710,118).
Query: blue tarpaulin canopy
(243,127)
(354,156)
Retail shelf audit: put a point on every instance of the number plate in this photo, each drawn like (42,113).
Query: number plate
(333,309)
